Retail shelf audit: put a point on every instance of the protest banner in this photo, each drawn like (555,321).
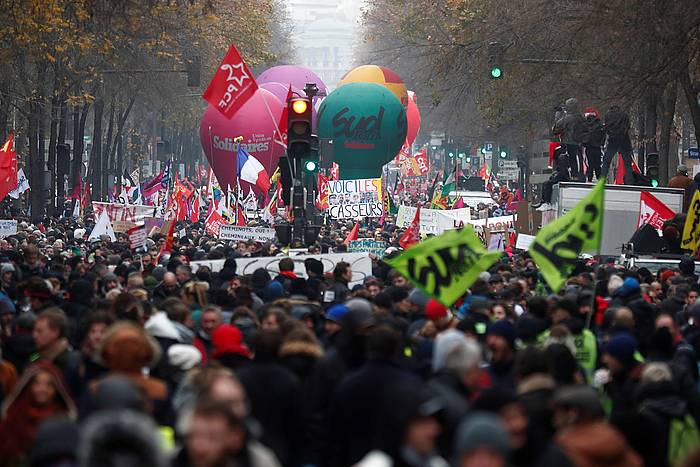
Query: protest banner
(213,224)
(495,224)
(8,227)
(259,234)
(360,263)
(434,221)
(349,199)
(137,237)
(369,245)
(444,267)
(123,217)
(653,211)
(558,244)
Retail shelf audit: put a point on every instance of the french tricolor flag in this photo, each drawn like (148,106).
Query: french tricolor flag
(251,170)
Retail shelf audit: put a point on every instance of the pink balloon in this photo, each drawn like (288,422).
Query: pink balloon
(256,122)
(297,76)
(280,90)
(413,117)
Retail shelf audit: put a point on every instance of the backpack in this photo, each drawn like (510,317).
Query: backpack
(683,438)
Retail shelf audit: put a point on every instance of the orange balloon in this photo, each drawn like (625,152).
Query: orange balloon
(379,75)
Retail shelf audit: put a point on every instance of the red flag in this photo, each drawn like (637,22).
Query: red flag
(484,172)
(459,204)
(322,192)
(213,223)
(353,234)
(8,167)
(412,233)
(232,85)
(620,173)
(335,172)
(285,118)
(422,161)
(652,211)
(169,229)
(194,212)
(241,220)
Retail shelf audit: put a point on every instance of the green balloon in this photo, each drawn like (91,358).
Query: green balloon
(367,125)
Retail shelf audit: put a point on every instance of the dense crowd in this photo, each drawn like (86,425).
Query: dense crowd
(112,357)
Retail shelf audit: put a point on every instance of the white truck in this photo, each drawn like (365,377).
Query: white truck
(621,209)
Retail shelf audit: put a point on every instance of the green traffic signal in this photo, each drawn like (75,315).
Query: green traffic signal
(310,166)
(496,72)
(503,154)
(654,182)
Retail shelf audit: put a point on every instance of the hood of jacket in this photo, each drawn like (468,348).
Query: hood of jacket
(158,325)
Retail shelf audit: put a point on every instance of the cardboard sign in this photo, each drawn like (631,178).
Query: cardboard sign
(8,227)
(434,221)
(137,237)
(259,234)
(360,263)
(369,245)
(349,199)
(524,241)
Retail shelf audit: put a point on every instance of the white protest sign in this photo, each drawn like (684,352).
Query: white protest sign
(137,237)
(524,241)
(348,199)
(434,221)
(369,245)
(259,234)
(500,223)
(8,227)
(360,264)
(123,217)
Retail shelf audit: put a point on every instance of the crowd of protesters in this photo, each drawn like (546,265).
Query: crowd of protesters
(115,358)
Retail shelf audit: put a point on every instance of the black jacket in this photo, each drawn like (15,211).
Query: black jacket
(275,397)
(617,122)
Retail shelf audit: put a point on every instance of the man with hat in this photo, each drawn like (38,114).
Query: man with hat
(681,179)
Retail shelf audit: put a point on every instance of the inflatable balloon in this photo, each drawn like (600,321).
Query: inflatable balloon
(379,75)
(413,117)
(279,90)
(255,123)
(367,124)
(297,76)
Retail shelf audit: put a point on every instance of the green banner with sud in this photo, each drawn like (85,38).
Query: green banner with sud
(445,267)
(558,244)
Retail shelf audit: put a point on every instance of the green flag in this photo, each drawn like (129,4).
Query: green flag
(558,244)
(448,184)
(445,267)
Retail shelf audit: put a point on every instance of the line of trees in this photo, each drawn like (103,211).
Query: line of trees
(108,74)
(642,55)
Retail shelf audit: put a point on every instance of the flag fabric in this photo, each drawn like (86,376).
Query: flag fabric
(353,234)
(449,184)
(196,204)
(284,119)
(127,180)
(22,185)
(431,192)
(620,172)
(557,246)
(322,192)
(691,230)
(335,172)
(8,167)
(232,85)
(102,227)
(422,161)
(484,172)
(652,211)
(412,233)
(251,170)
(459,203)
(213,224)
(444,267)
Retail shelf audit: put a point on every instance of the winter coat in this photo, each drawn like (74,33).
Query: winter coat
(300,358)
(21,417)
(359,410)
(595,133)
(277,407)
(455,400)
(253,455)
(680,181)
(617,122)
(572,127)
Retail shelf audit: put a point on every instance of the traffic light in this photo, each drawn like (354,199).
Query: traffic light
(503,152)
(310,166)
(298,127)
(653,168)
(495,50)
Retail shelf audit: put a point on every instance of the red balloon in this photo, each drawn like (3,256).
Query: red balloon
(413,117)
(256,122)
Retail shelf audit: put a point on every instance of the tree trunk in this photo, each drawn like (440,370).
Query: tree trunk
(94,162)
(53,136)
(641,135)
(104,162)
(668,110)
(61,139)
(691,97)
(79,119)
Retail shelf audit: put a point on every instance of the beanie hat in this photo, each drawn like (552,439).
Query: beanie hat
(629,286)
(336,312)
(452,343)
(435,310)
(667,274)
(686,265)
(504,329)
(622,346)
(272,291)
(227,339)
(418,298)
(184,357)
(614,283)
(481,430)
